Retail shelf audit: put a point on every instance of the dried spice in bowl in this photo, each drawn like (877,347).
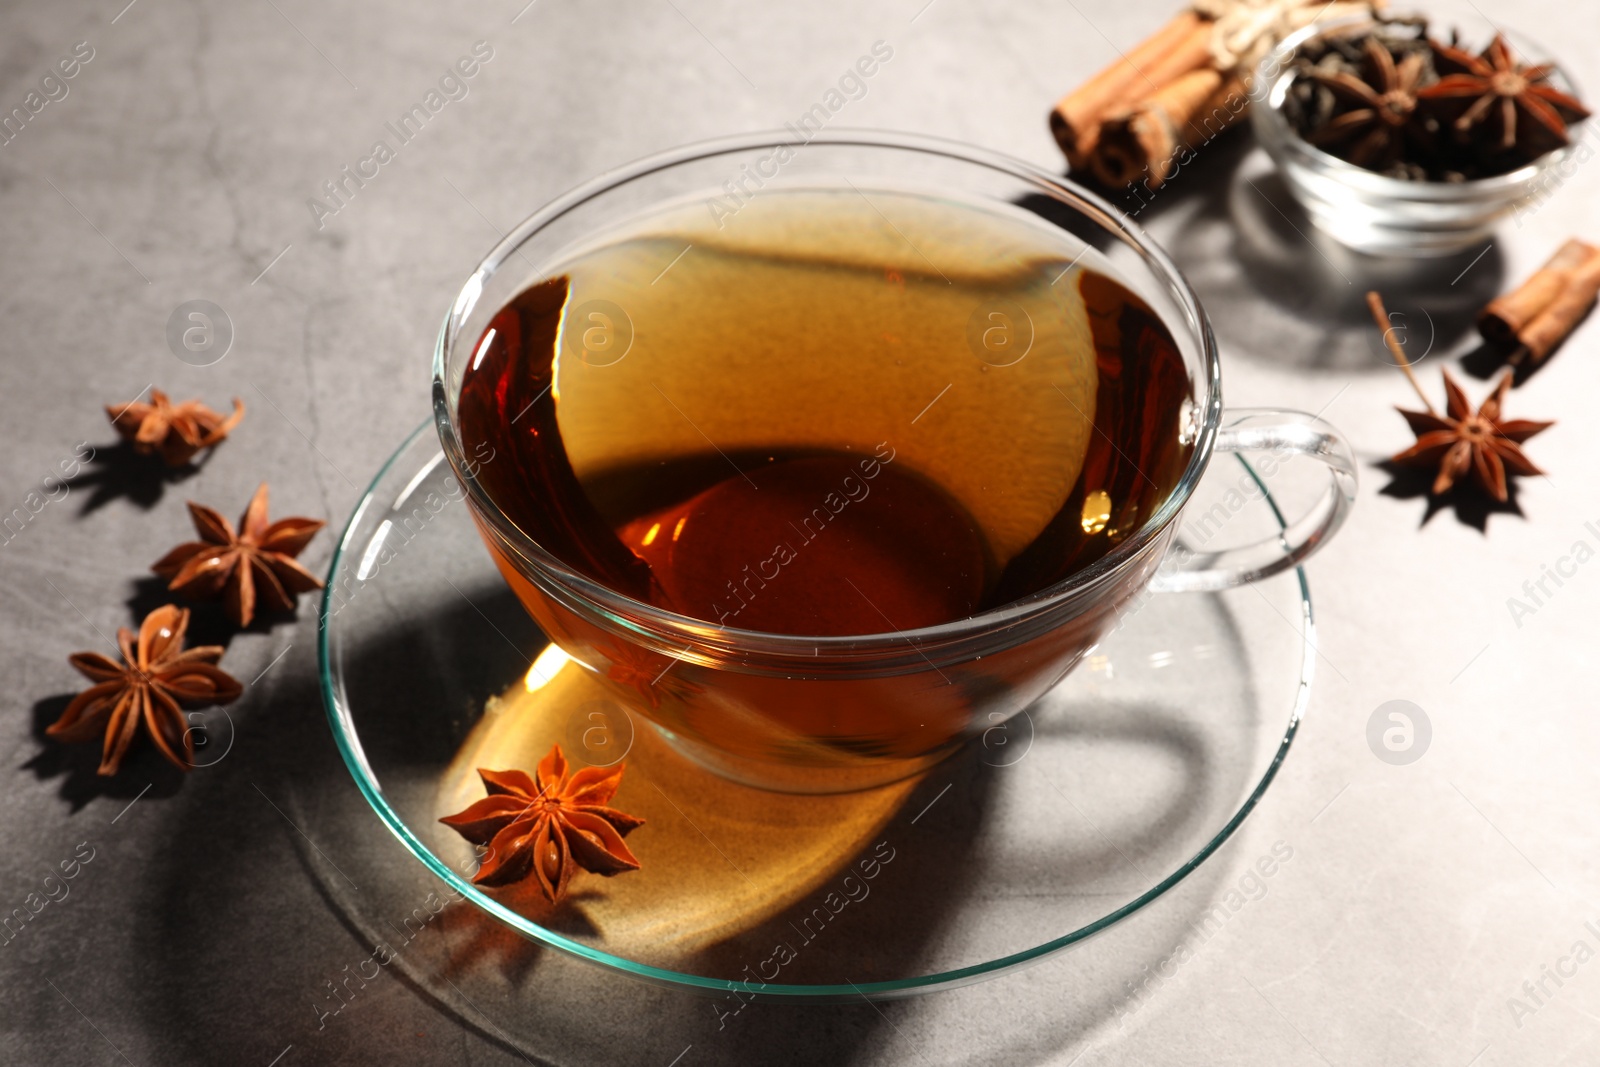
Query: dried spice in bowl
(1400,103)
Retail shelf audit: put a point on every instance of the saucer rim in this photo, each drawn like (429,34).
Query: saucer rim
(347,740)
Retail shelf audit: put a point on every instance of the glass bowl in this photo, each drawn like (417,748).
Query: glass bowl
(1376,214)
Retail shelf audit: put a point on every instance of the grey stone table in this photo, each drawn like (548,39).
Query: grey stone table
(1434,912)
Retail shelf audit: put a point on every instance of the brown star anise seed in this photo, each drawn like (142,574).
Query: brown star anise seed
(1500,92)
(1372,132)
(1462,440)
(176,432)
(255,562)
(152,685)
(548,824)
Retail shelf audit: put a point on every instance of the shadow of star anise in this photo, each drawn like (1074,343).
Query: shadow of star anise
(1471,507)
(547,825)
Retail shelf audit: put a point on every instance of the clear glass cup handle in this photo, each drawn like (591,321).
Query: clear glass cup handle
(1280,433)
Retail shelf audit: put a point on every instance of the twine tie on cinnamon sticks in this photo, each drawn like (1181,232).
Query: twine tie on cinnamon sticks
(1534,318)
(1246,30)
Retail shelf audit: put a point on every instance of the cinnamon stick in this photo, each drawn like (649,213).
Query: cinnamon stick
(1503,321)
(1146,139)
(1552,325)
(1181,46)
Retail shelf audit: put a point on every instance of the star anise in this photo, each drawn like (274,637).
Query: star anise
(548,825)
(174,431)
(153,684)
(1528,111)
(1373,132)
(1462,440)
(254,562)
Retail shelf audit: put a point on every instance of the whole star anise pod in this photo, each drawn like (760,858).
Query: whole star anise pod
(1528,111)
(1373,132)
(548,825)
(152,685)
(174,431)
(1462,440)
(254,562)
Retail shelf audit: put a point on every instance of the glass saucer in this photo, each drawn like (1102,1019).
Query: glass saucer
(1048,830)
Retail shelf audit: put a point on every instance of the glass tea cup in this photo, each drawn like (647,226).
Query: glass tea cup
(832,713)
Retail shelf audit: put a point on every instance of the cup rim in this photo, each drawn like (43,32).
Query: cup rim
(647,620)
(1276,133)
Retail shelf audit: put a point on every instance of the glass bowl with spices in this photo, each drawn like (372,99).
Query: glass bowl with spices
(1396,142)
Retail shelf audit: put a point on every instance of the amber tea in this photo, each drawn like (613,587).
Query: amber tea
(838,413)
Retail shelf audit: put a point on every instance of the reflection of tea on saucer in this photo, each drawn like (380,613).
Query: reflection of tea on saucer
(841,413)
(719,858)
